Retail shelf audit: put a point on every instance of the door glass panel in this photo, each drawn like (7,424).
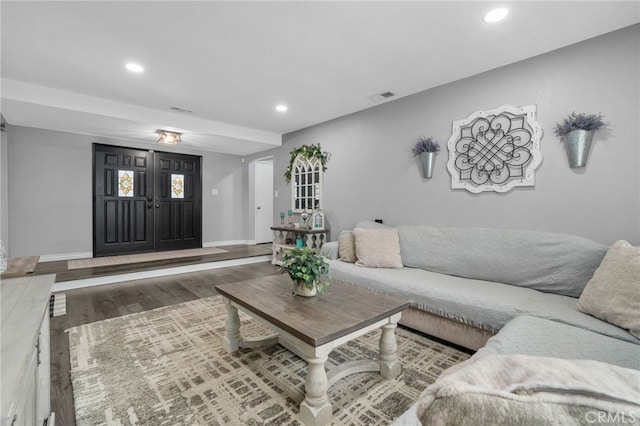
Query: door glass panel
(177,186)
(125,183)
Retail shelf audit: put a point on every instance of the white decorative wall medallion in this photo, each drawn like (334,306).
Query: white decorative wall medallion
(495,150)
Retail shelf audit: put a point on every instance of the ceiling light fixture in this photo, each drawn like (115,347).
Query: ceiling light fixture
(137,68)
(496,15)
(168,138)
(282,108)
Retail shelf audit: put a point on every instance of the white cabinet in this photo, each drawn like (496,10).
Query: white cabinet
(24,353)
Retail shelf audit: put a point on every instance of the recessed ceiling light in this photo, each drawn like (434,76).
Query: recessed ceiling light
(282,108)
(496,15)
(134,67)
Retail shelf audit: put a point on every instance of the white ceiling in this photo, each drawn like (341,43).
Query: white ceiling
(232,62)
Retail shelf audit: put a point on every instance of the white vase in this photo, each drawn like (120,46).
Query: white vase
(300,289)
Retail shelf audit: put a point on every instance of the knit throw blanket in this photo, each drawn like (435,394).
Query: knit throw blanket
(521,389)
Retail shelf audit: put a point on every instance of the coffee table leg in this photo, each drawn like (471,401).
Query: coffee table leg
(315,409)
(389,365)
(231,340)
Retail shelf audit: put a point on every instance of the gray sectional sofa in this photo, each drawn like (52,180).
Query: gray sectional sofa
(500,292)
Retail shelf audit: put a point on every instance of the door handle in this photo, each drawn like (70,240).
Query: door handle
(149,205)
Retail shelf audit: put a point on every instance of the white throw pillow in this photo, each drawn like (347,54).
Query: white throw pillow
(378,248)
(613,294)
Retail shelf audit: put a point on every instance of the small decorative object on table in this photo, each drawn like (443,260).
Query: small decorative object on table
(318,219)
(304,216)
(426,148)
(282,218)
(305,269)
(577,131)
(290,221)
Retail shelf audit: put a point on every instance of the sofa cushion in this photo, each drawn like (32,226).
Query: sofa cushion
(530,335)
(613,294)
(330,250)
(484,304)
(347,247)
(377,248)
(549,262)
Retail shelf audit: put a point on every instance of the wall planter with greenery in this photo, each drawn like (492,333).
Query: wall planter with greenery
(426,149)
(576,131)
(306,270)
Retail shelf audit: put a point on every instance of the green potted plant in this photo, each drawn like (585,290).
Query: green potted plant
(306,270)
(308,152)
(426,148)
(577,130)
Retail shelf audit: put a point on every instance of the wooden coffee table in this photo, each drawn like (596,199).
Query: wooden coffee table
(312,327)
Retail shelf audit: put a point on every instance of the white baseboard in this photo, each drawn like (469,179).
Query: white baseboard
(65,256)
(91,282)
(227,243)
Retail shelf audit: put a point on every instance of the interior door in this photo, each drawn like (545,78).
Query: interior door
(145,201)
(263,195)
(123,212)
(178,201)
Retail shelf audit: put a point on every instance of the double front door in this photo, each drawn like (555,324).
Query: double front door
(145,201)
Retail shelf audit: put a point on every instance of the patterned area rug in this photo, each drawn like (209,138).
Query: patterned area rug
(167,367)
(58,304)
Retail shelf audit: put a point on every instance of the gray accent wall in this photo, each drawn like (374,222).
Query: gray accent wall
(372,173)
(4,191)
(46,176)
(50,192)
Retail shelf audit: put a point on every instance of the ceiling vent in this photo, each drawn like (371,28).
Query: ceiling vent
(178,109)
(382,96)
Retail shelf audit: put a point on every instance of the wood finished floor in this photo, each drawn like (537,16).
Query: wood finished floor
(232,252)
(92,304)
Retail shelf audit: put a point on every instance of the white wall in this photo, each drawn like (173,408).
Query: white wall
(50,192)
(372,173)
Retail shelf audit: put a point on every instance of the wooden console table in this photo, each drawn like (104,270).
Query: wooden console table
(285,238)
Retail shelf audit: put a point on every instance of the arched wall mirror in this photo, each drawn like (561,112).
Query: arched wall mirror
(306,184)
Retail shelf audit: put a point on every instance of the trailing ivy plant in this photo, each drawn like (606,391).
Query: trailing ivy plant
(308,152)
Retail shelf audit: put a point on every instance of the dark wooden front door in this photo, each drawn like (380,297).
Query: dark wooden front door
(145,201)
(178,194)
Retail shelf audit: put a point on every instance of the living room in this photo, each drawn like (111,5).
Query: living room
(371,173)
